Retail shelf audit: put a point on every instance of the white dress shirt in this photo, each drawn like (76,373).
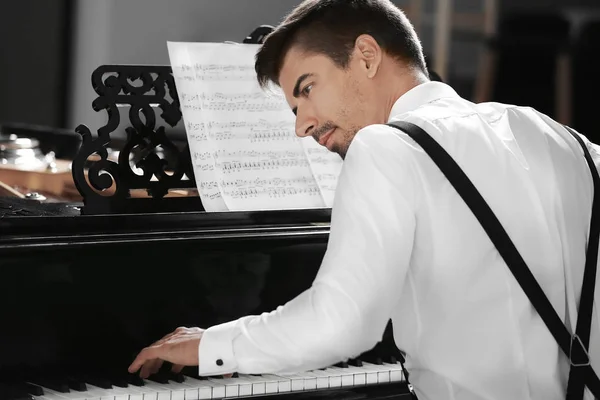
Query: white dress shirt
(403,245)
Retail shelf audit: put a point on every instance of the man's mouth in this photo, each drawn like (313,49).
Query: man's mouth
(325,136)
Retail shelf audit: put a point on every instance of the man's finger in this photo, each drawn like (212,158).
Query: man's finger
(155,365)
(151,367)
(148,353)
(176,368)
(145,370)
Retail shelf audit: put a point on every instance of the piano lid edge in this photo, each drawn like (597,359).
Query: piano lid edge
(44,232)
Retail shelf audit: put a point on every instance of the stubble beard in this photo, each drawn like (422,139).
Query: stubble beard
(347,137)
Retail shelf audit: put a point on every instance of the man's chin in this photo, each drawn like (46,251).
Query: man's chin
(340,150)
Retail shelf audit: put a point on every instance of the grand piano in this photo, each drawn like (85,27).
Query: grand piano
(84,285)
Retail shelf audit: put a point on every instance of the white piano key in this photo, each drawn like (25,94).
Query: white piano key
(205,388)
(195,390)
(135,395)
(190,392)
(50,394)
(335,378)
(371,374)
(259,384)
(296,381)
(352,376)
(217,389)
(141,393)
(244,386)
(204,393)
(47,396)
(95,393)
(162,392)
(73,395)
(283,384)
(310,382)
(347,376)
(232,386)
(115,393)
(177,389)
(360,376)
(322,379)
(396,372)
(146,392)
(383,373)
(303,381)
(248,383)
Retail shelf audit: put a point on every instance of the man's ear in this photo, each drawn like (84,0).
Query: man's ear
(368,53)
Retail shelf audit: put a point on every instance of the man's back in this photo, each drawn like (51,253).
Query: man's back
(468,328)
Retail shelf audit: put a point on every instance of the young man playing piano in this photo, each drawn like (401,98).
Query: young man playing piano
(404,244)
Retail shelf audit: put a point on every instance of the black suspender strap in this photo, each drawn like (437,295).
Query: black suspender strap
(577,376)
(574,346)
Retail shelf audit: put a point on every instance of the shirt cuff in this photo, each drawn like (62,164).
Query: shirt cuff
(215,353)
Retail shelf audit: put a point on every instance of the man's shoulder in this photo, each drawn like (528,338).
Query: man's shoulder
(383,143)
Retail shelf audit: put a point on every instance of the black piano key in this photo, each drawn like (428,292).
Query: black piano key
(12,392)
(159,378)
(355,362)
(235,375)
(372,357)
(56,384)
(119,381)
(76,384)
(391,360)
(176,377)
(135,380)
(100,381)
(190,371)
(32,389)
(342,364)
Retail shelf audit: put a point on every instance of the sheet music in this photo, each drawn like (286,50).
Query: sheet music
(244,149)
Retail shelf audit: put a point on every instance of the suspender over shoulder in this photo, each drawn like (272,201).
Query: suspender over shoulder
(574,346)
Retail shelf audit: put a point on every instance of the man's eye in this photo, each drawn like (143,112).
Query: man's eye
(306,90)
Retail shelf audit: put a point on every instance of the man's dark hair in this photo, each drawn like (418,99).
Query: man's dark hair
(330,27)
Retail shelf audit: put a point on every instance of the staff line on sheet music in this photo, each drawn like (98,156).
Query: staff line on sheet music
(261,124)
(242,105)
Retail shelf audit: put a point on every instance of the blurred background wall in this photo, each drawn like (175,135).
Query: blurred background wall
(50,48)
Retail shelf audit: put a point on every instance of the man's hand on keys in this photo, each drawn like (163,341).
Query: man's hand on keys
(179,348)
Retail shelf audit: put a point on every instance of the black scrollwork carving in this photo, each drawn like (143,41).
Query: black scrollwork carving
(105,184)
(140,87)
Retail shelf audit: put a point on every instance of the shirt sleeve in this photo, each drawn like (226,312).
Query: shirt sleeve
(346,309)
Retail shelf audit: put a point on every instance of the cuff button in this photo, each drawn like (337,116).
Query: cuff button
(219,362)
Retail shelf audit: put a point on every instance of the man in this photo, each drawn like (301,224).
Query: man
(403,244)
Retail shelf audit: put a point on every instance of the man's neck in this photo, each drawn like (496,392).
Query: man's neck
(405,80)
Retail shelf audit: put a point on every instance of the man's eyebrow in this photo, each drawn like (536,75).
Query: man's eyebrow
(296,92)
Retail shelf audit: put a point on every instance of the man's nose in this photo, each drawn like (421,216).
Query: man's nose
(305,123)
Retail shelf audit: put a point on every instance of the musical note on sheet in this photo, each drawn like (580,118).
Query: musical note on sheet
(244,149)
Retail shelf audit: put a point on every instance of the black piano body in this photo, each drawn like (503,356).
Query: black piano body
(80,295)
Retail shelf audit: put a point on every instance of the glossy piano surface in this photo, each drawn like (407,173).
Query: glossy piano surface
(80,295)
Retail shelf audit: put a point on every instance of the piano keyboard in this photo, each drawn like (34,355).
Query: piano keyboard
(341,376)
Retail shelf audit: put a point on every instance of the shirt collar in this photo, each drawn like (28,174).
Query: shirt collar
(420,95)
